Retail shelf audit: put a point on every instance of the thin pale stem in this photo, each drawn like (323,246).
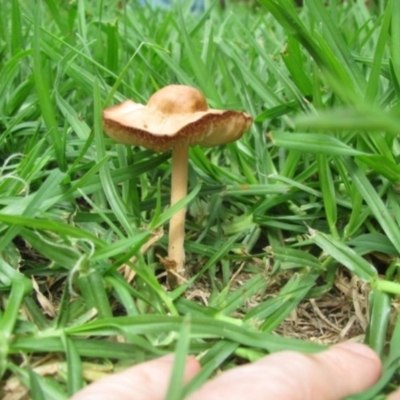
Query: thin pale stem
(179,182)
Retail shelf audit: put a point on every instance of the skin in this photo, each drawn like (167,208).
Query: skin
(345,369)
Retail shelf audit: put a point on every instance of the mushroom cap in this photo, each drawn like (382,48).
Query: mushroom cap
(174,115)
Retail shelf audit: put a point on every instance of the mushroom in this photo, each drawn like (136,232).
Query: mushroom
(174,118)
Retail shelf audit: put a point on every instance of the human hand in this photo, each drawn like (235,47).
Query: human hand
(345,369)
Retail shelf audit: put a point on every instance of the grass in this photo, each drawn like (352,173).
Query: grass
(293,233)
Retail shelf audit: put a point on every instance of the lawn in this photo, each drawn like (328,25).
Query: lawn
(292,233)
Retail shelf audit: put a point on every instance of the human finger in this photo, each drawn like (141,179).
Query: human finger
(146,381)
(344,369)
(394,396)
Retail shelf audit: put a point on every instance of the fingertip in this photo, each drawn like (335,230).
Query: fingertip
(394,395)
(366,366)
(359,349)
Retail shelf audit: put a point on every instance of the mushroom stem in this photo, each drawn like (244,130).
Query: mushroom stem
(176,251)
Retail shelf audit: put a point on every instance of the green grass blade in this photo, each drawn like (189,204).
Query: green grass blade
(379,314)
(395,39)
(74,366)
(109,186)
(328,193)
(147,324)
(345,255)
(312,142)
(373,81)
(175,386)
(16,29)
(43,91)
(336,42)
(374,201)
(52,181)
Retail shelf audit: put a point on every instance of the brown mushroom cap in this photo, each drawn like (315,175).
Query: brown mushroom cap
(173,115)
